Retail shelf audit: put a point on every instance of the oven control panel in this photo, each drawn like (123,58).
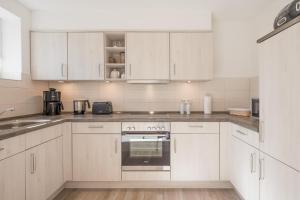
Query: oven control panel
(146,126)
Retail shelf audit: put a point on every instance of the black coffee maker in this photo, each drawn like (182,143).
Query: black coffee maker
(52,102)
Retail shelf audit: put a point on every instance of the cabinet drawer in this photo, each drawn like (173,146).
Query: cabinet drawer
(246,135)
(40,136)
(195,127)
(96,127)
(145,176)
(12,146)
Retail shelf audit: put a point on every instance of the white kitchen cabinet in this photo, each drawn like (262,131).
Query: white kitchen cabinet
(12,177)
(147,56)
(97,157)
(44,170)
(194,157)
(49,56)
(244,169)
(280,96)
(191,56)
(278,181)
(85,56)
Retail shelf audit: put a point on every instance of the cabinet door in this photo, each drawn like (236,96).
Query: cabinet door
(194,157)
(12,178)
(245,169)
(148,56)
(85,56)
(96,157)
(278,181)
(191,56)
(280,96)
(44,173)
(48,56)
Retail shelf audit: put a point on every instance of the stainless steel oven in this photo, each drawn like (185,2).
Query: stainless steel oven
(146,146)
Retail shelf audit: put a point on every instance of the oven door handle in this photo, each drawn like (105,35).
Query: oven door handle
(147,140)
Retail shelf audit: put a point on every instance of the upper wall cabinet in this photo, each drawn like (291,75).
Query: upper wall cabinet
(85,56)
(49,56)
(191,56)
(148,56)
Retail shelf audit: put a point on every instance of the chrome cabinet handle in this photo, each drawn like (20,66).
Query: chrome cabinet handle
(241,132)
(62,70)
(2,149)
(253,163)
(196,126)
(175,146)
(130,70)
(261,169)
(96,126)
(174,69)
(116,146)
(261,132)
(99,70)
(32,164)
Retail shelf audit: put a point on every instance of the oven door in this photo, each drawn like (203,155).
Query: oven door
(146,151)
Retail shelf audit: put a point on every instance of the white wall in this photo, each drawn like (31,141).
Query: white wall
(24,95)
(235,48)
(137,19)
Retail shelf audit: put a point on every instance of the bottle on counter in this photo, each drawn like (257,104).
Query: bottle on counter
(182,107)
(187,107)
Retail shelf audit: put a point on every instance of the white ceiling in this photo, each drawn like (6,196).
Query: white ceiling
(220,8)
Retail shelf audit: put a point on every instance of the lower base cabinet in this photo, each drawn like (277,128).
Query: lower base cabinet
(44,170)
(97,157)
(194,157)
(278,181)
(12,177)
(245,169)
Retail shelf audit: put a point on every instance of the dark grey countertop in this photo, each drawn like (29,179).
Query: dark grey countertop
(246,122)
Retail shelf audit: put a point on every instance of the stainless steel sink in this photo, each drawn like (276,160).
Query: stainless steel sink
(21,123)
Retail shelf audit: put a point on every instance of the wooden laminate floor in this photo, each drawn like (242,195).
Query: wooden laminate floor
(147,194)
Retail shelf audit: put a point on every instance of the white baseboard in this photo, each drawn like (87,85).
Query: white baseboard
(149,184)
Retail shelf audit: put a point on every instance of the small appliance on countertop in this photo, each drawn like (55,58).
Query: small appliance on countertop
(52,104)
(79,106)
(102,108)
(255,107)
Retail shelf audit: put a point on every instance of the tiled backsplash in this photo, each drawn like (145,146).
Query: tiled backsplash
(25,96)
(226,93)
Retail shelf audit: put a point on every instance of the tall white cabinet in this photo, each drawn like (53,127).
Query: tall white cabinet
(279,121)
(280,96)
(85,56)
(191,56)
(49,59)
(147,56)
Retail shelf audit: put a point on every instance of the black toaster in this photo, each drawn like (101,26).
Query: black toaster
(102,108)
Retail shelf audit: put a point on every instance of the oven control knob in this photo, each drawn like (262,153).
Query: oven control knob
(128,128)
(159,128)
(133,128)
(153,128)
(163,128)
(149,128)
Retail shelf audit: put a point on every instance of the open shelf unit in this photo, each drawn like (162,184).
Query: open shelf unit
(115,55)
